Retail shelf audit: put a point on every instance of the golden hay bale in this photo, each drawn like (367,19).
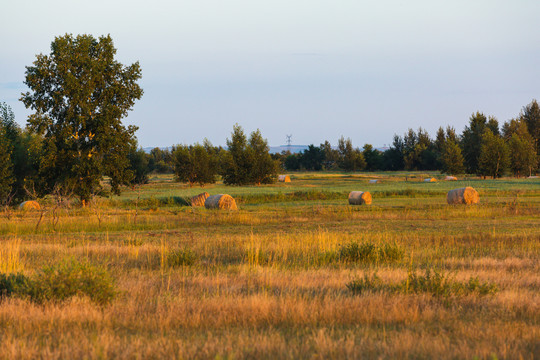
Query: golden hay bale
(359,198)
(30,205)
(284,178)
(373,181)
(466,195)
(430,180)
(199,200)
(450,178)
(220,201)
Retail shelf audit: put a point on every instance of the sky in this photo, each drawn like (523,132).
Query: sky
(315,69)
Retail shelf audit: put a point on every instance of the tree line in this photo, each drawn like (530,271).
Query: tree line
(75,139)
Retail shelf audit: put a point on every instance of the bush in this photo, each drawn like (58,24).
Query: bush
(370,253)
(72,278)
(14,284)
(181,257)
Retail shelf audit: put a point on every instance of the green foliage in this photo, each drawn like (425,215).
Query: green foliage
(248,162)
(14,284)
(350,159)
(6,168)
(523,158)
(138,161)
(80,94)
(452,161)
(471,141)
(181,257)
(72,278)
(367,252)
(531,116)
(494,157)
(194,164)
(61,282)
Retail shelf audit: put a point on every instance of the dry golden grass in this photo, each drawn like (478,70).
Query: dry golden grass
(266,282)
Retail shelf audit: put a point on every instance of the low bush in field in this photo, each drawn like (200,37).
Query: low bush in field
(431,282)
(181,257)
(60,282)
(13,284)
(370,253)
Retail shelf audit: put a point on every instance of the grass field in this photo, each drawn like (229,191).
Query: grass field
(294,273)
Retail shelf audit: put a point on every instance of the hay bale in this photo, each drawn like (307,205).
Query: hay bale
(533,177)
(199,200)
(284,178)
(466,195)
(450,178)
(220,201)
(359,198)
(430,180)
(373,181)
(30,205)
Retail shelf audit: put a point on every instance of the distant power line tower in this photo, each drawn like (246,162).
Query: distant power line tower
(289,142)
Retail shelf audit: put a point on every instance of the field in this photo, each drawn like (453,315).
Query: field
(294,273)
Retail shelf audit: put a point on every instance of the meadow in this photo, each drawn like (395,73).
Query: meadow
(295,273)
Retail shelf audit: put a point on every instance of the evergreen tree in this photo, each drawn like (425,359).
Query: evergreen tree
(373,158)
(531,116)
(471,141)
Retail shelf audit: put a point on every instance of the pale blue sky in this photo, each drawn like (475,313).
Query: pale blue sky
(315,69)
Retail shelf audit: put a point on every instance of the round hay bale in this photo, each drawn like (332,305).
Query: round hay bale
(359,198)
(373,181)
(430,180)
(199,200)
(466,195)
(450,178)
(284,178)
(30,205)
(220,201)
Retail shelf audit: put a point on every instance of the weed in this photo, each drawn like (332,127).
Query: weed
(368,283)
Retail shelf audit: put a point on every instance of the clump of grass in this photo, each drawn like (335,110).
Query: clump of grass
(431,282)
(368,252)
(72,278)
(181,257)
(368,283)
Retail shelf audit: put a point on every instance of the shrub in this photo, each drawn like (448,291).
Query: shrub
(369,253)
(14,284)
(72,278)
(181,257)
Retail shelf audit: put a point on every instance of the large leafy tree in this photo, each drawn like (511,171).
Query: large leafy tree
(194,164)
(350,159)
(494,159)
(264,168)
(80,93)
(452,161)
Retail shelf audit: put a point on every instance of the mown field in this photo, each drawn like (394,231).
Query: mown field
(294,273)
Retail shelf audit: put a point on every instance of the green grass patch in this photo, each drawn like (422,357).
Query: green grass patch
(368,252)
